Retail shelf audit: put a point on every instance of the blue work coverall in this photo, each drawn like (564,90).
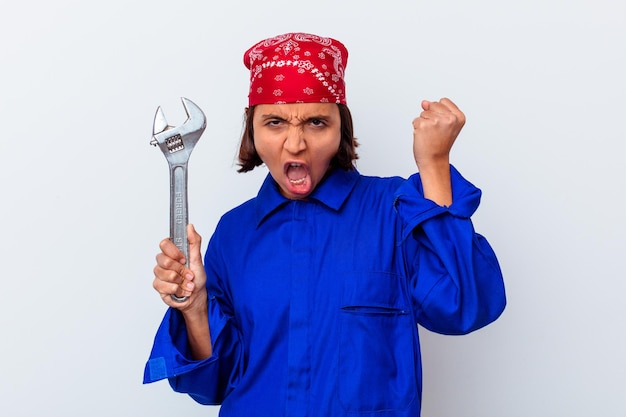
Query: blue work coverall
(314,304)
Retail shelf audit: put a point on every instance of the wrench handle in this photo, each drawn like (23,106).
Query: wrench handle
(179,213)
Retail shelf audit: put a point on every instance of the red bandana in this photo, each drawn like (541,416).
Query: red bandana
(296,68)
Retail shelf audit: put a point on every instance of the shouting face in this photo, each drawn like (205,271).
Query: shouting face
(297,143)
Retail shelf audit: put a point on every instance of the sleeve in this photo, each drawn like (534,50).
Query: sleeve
(454,275)
(207,381)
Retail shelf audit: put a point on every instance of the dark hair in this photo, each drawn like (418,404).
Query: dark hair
(346,155)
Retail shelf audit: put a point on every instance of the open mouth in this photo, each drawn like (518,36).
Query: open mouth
(296,173)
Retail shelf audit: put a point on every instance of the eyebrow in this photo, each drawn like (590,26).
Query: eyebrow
(270,116)
(312,117)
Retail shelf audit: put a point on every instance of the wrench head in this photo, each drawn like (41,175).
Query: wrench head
(177,142)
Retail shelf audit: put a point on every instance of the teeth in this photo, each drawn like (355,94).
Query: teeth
(299,181)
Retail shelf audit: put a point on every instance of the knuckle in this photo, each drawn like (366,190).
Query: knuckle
(168,263)
(173,276)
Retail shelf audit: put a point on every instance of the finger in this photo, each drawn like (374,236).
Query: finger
(171,275)
(444,105)
(444,111)
(184,289)
(449,104)
(438,107)
(170,249)
(179,287)
(427,116)
(424,120)
(432,109)
(453,108)
(182,277)
(165,287)
(167,263)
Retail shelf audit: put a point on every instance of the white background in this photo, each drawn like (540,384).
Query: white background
(85,198)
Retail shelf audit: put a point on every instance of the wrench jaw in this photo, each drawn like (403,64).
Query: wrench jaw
(160,123)
(176,143)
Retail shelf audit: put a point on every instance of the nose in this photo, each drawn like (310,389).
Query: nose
(295,142)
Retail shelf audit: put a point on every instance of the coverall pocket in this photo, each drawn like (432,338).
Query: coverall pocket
(377,364)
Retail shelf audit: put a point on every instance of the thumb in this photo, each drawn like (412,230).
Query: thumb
(195,242)
(425,105)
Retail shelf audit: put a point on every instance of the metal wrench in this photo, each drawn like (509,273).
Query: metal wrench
(176,143)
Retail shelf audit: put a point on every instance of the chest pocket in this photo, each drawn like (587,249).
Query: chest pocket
(378,344)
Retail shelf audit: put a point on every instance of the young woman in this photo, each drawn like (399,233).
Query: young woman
(308,299)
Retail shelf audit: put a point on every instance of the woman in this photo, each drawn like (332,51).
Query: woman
(310,293)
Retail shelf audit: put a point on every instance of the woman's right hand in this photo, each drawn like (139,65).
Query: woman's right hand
(173,277)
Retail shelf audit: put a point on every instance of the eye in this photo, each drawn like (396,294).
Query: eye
(317,122)
(273,122)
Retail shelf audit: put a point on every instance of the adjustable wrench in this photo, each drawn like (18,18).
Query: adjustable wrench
(176,143)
